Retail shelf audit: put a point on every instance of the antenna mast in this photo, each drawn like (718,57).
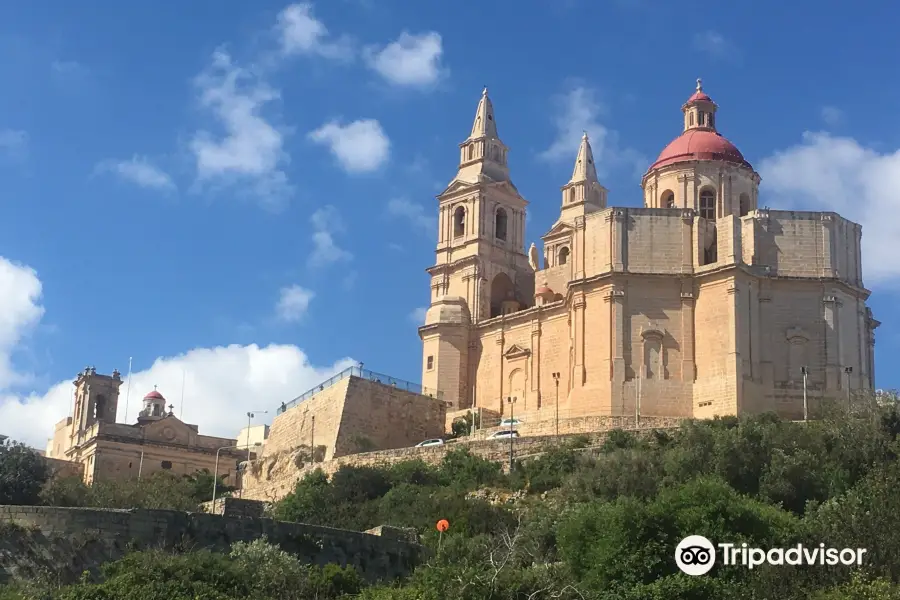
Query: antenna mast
(181,412)
(128,390)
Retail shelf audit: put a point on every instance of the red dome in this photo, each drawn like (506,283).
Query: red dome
(699,97)
(154,395)
(700,144)
(543,290)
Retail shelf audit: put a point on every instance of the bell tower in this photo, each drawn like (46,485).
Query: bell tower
(481,227)
(96,400)
(481,270)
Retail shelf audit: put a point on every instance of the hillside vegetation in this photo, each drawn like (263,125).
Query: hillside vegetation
(597,524)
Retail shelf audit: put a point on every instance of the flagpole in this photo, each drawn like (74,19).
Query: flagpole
(128,390)
(181,412)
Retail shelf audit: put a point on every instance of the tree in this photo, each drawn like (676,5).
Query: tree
(23,472)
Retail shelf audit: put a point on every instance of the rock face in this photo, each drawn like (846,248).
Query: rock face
(64,542)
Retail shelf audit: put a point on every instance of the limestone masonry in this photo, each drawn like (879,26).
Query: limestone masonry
(108,534)
(701,303)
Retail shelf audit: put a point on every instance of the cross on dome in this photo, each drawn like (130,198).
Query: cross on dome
(699,85)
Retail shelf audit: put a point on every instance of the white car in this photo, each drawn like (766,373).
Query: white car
(427,443)
(504,434)
(511,422)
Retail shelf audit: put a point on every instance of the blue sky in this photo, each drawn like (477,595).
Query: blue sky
(241,195)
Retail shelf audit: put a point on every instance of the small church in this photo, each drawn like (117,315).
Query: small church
(158,441)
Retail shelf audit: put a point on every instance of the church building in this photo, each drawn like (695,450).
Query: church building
(158,441)
(699,303)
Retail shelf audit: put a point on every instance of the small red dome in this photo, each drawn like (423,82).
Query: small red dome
(543,290)
(699,97)
(154,395)
(700,144)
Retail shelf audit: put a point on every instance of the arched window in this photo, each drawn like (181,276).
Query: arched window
(563,256)
(692,118)
(668,199)
(495,153)
(708,204)
(500,224)
(459,221)
(470,152)
(502,288)
(700,118)
(99,407)
(572,195)
(744,204)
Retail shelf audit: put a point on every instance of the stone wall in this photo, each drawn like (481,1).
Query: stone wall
(64,468)
(276,476)
(107,534)
(357,415)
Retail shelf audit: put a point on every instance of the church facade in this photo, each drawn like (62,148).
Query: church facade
(700,303)
(158,441)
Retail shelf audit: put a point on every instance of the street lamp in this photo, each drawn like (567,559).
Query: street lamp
(805,372)
(511,400)
(556,380)
(848,371)
(216,472)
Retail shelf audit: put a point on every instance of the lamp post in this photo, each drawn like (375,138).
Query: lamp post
(250,416)
(848,371)
(556,381)
(805,372)
(511,400)
(216,471)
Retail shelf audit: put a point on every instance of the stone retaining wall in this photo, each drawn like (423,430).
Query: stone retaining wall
(273,477)
(111,532)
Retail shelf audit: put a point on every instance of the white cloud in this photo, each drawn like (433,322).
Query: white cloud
(13,143)
(412,60)
(139,171)
(414,213)
(826,172)
(326,224)
(220,384)
(417,316)
(300,32)
(360,147)
(293,303)
(578,111)
(832,115)
(714,44)
(251,151)
(20,312)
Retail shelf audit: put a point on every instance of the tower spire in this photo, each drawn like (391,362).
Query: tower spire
(484,124)
(583,193)
(585,169)
(482,155)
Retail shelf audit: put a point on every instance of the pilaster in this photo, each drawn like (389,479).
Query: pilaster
(733,362)
(616,300)
(688,360)
(535,358)
(687,240)
(828,246)
(616,219)
(578,306)
(766,366)
(831,306)
(578,249)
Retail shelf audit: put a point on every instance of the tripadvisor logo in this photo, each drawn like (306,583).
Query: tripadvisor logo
(696,555)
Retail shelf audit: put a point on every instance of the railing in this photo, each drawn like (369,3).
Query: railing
(362,374)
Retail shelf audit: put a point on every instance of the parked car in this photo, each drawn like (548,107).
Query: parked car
(427,443)
(511,422)
(504,434)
